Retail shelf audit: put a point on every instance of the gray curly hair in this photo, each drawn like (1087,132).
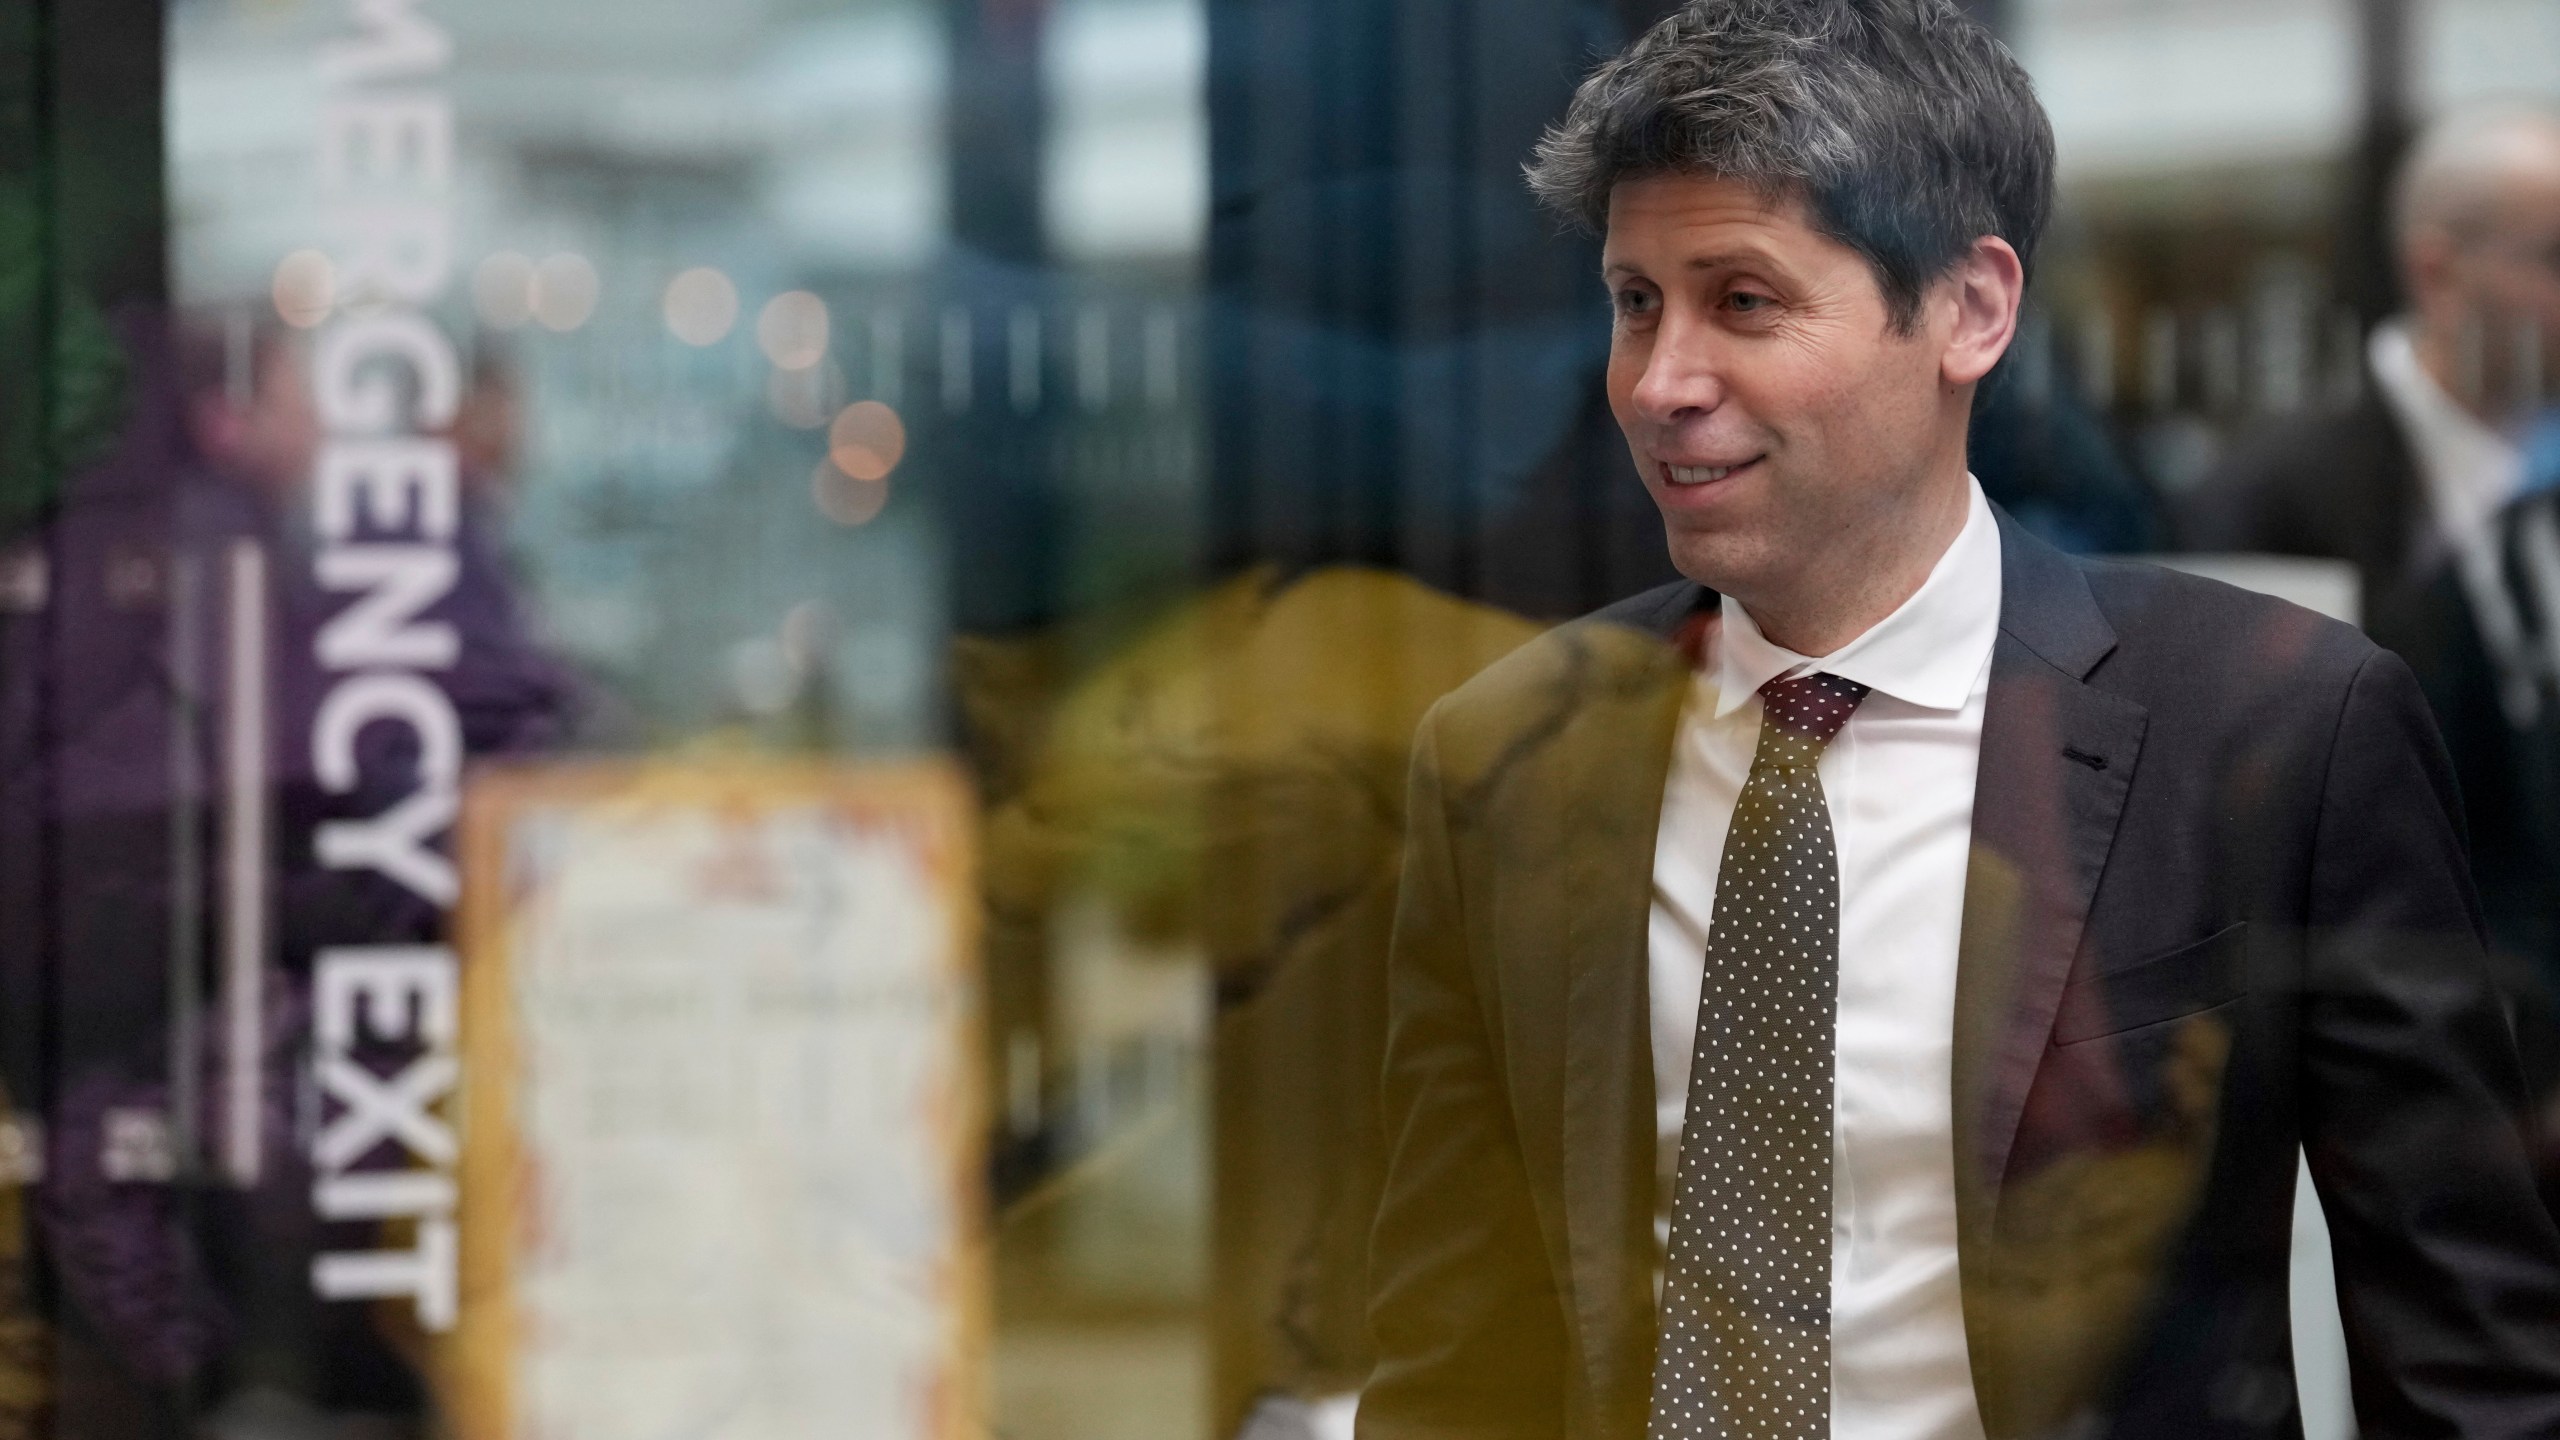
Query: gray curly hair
(1906,128)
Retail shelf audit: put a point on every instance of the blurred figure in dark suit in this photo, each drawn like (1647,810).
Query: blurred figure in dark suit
(173,1297)
(2422,483)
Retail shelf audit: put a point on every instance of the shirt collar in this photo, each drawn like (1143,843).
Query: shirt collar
(2470,470)
(1928,652)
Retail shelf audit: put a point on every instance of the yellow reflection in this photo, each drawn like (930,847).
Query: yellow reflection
(305,287)
(564,291)
(793,330)
(844,499)
(701,306)
(867,440)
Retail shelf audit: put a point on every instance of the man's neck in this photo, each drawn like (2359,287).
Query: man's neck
(1869,583)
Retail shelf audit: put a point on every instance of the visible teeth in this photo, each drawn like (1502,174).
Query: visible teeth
(1699,474)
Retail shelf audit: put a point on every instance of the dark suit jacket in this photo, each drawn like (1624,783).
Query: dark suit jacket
(2345,486)
(2216,909)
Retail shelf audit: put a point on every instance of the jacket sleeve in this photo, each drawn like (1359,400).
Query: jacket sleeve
(2414,1104)
(1468,1324)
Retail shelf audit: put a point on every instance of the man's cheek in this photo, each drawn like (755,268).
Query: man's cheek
(1821,403)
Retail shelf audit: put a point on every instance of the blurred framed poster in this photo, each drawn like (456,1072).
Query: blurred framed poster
(721,1165)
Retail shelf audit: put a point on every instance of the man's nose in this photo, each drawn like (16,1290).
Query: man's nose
(1683,377)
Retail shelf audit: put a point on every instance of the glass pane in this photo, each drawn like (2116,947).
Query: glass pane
(705,709)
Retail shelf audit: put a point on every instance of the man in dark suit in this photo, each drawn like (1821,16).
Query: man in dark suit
(2419,483)
(1879,985)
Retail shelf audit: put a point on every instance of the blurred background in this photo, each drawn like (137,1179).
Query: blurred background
(1146,407)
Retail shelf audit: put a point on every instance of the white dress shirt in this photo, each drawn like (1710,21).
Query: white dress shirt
(1899,780)
(2469,472)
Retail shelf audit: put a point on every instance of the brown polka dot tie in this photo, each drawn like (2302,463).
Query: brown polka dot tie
(1746,1294)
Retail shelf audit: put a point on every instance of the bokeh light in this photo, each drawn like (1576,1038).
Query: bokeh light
(502,290)
(701,306)
(844,499)
(792,330)
(867,440)
(565,287)
(305,288)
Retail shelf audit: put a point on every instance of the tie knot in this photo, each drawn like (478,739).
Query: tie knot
(1810,707)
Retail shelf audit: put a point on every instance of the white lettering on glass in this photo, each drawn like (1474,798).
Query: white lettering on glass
(387,381)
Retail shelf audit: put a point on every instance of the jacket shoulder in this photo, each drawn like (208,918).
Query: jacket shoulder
(1588,669)
(2188,636)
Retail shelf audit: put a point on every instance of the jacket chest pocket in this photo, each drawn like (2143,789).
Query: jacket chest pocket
(2192,978)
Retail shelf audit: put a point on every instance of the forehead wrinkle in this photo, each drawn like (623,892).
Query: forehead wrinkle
(1730,260)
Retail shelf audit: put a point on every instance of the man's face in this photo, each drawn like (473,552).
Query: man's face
(2513,276)
(2495,292)
(1777,418)
(269,441)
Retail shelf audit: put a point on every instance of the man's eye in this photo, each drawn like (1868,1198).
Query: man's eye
(1746,302)
(1634,302)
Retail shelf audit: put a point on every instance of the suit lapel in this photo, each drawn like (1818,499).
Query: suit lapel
(1616,757)
(2058,758)
(2057,761)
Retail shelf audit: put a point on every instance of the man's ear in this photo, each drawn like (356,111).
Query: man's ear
(1986,288)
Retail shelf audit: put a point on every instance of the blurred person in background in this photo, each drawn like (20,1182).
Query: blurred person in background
(1879,985)
(2423,484)
(179,1295)
(253,447)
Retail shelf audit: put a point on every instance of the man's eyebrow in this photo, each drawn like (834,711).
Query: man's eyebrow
(1701,262)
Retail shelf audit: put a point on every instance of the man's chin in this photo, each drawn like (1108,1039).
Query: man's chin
(1724,562)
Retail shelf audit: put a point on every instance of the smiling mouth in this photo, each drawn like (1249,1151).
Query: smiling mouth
(1702,474)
